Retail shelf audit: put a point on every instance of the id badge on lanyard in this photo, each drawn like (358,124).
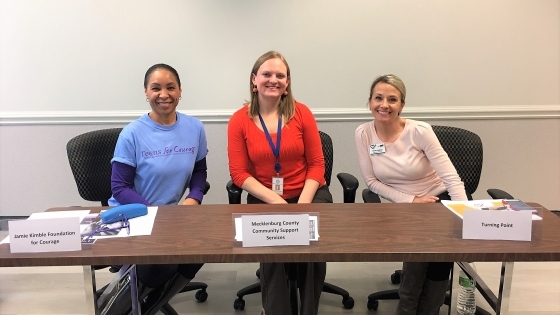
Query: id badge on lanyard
(277,181)
(278,185)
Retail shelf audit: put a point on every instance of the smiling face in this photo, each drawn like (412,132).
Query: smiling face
(386,102)
(271,80)
(163,93)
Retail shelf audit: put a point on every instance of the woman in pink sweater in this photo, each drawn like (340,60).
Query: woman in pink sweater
(402,160)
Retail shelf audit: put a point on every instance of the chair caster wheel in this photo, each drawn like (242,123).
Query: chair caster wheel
(239,304)
(201,296)
(114,269)
(348,303)
(395,278)
(372,305)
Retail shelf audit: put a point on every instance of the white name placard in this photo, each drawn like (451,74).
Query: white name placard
(45,235)
(497,225)
(275,229)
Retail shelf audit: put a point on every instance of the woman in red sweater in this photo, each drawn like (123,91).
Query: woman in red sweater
(275,140)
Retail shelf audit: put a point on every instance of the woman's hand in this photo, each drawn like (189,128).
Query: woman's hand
(258,190)
(425,199)
(190,202)
(280,200)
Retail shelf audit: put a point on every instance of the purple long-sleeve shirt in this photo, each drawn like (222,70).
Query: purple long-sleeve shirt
(122,183)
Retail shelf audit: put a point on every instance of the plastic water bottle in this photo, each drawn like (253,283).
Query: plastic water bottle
(466,304)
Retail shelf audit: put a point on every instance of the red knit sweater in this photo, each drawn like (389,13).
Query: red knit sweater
(301,153)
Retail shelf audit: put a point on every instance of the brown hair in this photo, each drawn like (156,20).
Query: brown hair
(286,108)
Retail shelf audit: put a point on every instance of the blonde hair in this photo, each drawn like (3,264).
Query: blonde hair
(392,80)
(286,108)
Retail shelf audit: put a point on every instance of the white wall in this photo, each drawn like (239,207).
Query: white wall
(36,176)
(490,66)
(91,55)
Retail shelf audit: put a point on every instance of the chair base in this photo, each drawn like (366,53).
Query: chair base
(347,300)
(239,303)
(201,295)
(396,277)
(167,309)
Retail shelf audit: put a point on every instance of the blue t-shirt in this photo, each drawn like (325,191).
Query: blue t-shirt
(164,156)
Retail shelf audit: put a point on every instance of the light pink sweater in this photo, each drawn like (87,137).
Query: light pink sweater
(414,165)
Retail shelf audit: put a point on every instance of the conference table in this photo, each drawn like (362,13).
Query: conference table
(386,232)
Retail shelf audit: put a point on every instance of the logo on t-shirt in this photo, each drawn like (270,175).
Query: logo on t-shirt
(168,151)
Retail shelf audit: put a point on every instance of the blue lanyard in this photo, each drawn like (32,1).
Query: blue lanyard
(275,149)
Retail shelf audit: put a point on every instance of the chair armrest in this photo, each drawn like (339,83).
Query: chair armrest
(370,197)
(206,188)
(234,193)
(499,194)
(349,186)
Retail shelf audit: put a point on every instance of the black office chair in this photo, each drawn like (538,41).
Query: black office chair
(498,194)
(90,155)
(349,184)
(464,149)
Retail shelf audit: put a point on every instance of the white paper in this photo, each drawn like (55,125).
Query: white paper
(313,222)
(275,229)
(142,225)
(81,214)
(497,225)
(45,235)
(458,207)
(139,226)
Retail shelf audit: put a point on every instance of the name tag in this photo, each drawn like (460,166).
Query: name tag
(497,225)
(278,185)
(377,148)
(275,229)
(45,235)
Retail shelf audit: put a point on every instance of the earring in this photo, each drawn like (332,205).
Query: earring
(147,100)
(285,93)
(255,89)
(180,97)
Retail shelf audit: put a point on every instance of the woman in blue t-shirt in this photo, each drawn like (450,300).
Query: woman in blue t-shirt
(157,157)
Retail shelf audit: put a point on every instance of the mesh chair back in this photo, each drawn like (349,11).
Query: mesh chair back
(326,141)
(90,157)
(465,152)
